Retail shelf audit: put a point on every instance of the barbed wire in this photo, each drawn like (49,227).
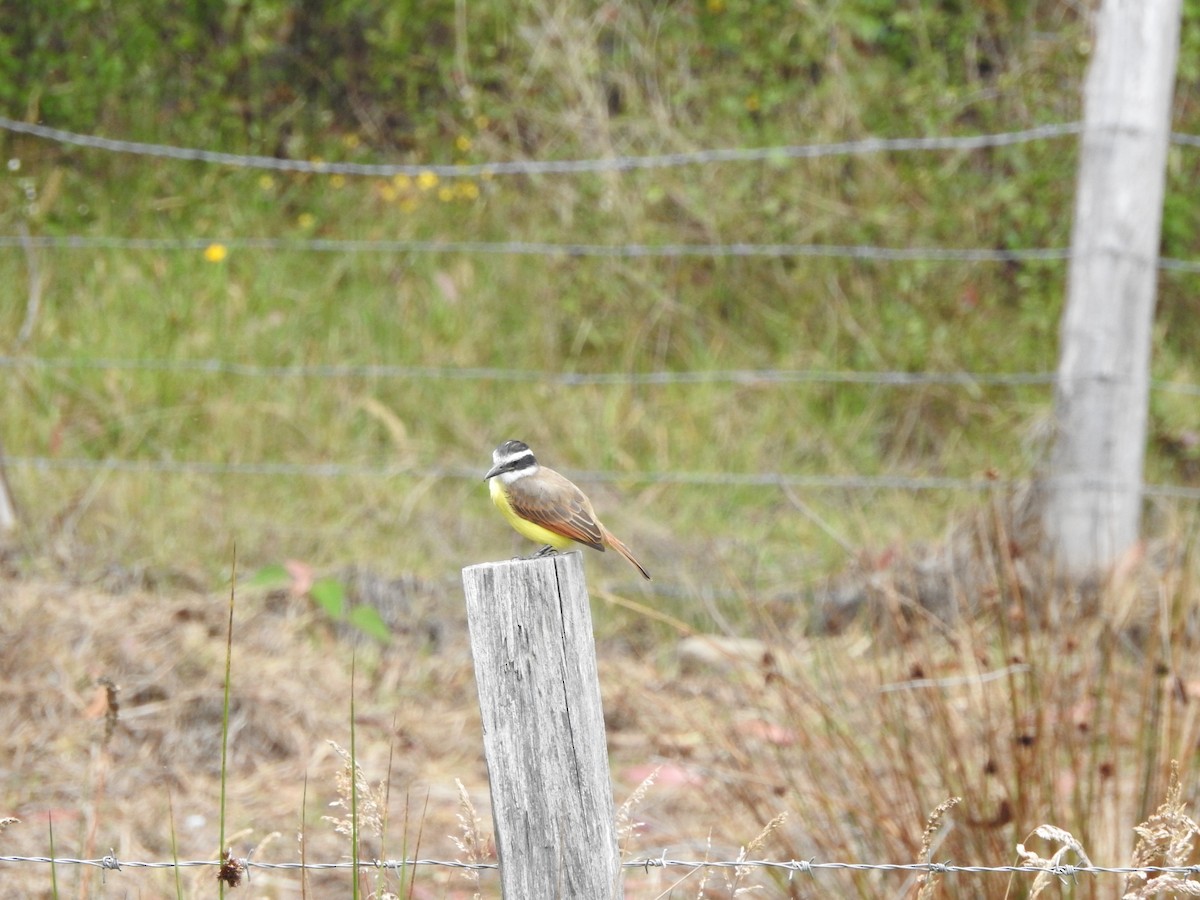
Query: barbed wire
(741,377)
(547,167)
(618,163)
(805,867)
(912,483)
(741,249)
(544,248)
(352,470)
(749,377)
(1170,264)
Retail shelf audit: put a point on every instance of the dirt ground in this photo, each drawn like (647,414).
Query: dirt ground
(142,781)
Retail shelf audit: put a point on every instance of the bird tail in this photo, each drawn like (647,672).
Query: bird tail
(611,540)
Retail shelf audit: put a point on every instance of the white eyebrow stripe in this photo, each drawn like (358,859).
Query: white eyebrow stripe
(513,457)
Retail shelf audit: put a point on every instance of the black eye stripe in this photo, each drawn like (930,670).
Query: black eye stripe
(520,462)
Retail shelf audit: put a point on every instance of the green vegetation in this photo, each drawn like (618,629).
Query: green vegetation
(363,80)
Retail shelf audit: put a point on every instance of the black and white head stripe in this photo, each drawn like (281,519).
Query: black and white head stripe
(512,456)
(510,452)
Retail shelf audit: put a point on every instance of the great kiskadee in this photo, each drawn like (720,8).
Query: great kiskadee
(546,507)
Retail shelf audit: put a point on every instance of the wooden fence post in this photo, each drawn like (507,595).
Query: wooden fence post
(543,729)
(1093,507)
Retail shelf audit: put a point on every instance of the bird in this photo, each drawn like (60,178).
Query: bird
(545,506)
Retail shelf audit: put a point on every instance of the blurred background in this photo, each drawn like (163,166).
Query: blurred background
(279,275)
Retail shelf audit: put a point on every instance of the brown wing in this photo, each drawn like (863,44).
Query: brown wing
(555,503)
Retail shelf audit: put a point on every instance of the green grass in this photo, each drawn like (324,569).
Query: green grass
(762,79)
(585,315)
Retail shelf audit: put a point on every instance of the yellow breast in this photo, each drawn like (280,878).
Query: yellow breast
(524,527)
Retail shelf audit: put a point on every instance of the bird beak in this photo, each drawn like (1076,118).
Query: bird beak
(492,473)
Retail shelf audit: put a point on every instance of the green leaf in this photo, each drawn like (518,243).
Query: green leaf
(269,576)
(367,620)
(329,594)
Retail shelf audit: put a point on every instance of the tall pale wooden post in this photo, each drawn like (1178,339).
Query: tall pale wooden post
(543,729)
(1093,503)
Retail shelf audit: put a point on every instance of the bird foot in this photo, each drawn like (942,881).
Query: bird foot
(548,550)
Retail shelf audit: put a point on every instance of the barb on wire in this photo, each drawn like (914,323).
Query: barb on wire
(546,167)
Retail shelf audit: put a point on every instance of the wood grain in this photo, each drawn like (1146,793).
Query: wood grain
(543,728)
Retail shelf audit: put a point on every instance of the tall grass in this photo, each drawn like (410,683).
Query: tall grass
(1036,705)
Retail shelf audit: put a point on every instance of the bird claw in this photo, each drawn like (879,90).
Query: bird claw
(548,550)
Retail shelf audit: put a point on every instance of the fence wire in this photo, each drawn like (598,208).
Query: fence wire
(544,248)
(351,470)
(746,377)
(910,483)
(809,867)
(740,377)
(743,250)
(547,167)
(618,163)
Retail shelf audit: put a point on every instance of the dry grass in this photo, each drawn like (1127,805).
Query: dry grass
(1049,714)
(291,688)
(1033,705)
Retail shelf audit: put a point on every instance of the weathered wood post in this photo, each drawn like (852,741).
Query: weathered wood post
(1094,500)
(543,729)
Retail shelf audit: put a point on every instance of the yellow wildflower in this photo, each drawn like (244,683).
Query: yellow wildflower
(446,194)
(427,180)
(468,190)
(463,143)
(306,220)
(337,181)
(215,253)
(402,182)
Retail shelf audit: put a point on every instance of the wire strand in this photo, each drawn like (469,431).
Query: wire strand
(742,377)
(748,377)
(547,167)
(913,483)
(544,248)
(868,252)
(807,867)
